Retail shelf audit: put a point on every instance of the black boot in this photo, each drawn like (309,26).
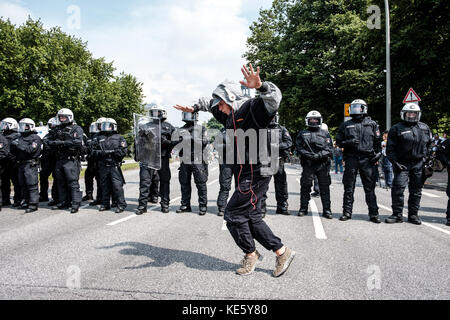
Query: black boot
(303,212)
(184,209)
(345,217)
(154,199)
(74,210)
(52,203)
(414,220)
(60,206)
(94,203)
(283,210)
(120,210)
(327,214)
(203,211)
(88,197)
(221,212)
(375,219)
(31,208)
(140,211)
(165,209)
(394,219)
(104,208)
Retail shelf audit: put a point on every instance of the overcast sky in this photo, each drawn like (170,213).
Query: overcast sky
(179,49)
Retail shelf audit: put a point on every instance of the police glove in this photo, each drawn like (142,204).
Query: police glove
(399,166)
(375,158)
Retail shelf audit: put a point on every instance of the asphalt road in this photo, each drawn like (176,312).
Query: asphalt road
(92,255)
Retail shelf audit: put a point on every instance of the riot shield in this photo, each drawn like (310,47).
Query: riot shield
(147,133)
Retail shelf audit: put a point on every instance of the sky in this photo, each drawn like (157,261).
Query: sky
(179,49)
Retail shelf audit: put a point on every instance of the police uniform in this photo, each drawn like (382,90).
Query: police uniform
(11,175)
(444,157)
(196,167)
(408,145)
(361,140)
(68,143)
(4,154)
(27,150)
(48,165)
(113,148)
(315,148)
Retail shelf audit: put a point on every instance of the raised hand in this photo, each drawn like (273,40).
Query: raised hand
(253,81)
(184,109)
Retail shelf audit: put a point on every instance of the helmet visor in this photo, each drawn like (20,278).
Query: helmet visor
(156,114)
(314,122)
(94,128)
(4,126)
(412,116)
(25,127)
(357,109)
(108,127)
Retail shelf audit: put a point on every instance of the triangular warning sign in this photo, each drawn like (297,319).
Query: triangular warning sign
(411,97)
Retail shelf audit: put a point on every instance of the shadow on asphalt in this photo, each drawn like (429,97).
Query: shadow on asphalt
(163,257)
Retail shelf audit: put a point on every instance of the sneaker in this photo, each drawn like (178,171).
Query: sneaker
(283,262)
(248,264)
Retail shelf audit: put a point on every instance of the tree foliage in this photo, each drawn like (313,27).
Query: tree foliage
(322,55)
(43,71)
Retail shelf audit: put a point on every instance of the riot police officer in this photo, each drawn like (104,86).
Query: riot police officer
(409,144)
(48,164)
(10,129)
(361,139)
(444,157)
(315,147)
(152,180)
(27,150)
(91,172)
(112,149)
(193,164)
(225,171)
(69,145)
(280,178)
(4,153)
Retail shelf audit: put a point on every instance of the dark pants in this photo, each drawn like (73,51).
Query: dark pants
(338,165)
(414,175)
(316,185)
(11,175)
(225,179)
(154,188)
(112,185)
(200,173)
(281,187)
(89,176)
(2,169)
(321,172)
(448,195)
(145,181)
(244,221)
(28,179)
(48,168)
(164,181)
(67,174)
(353,165)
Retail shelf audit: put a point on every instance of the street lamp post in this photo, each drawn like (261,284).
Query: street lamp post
(388,68)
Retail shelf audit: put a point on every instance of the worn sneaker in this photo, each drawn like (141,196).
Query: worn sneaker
(248,264)
(283,262)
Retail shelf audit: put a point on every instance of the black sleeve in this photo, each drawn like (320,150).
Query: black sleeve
(391,145)
(4,149)
(340,137)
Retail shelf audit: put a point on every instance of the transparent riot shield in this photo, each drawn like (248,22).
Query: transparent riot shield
(147,133)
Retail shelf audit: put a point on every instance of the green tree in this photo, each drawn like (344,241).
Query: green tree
(43,71)
(322,55)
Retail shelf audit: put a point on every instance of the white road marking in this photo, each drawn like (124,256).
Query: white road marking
(430,195)
(320,232)
(436,228)
(128,218)
(224,226)
(213,182)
